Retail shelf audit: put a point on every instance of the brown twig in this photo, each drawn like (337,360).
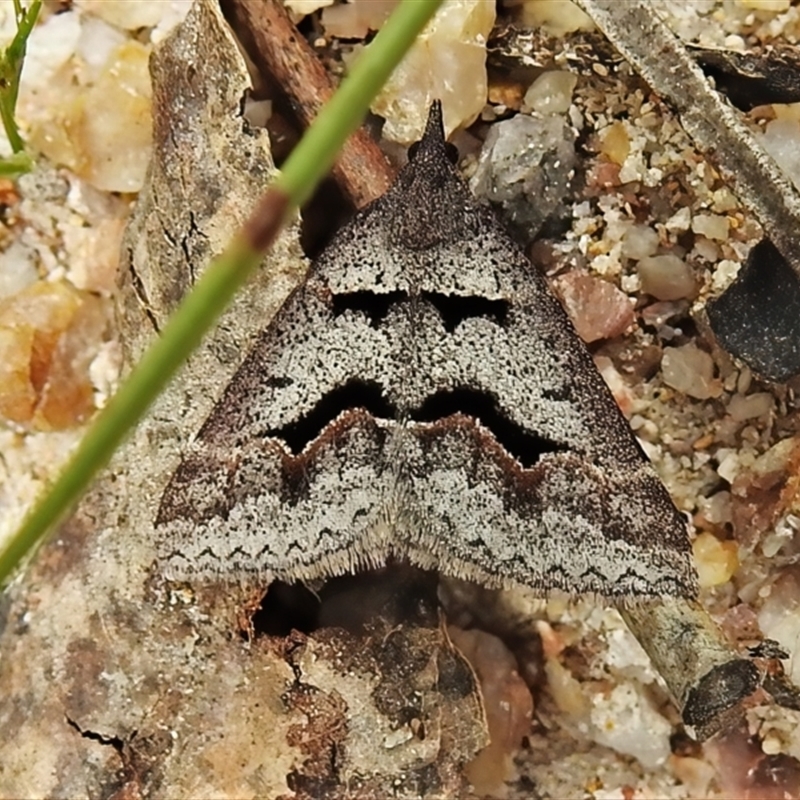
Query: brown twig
(278,49)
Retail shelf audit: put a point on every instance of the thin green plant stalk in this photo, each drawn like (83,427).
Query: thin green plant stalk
(11,71)
(306,166)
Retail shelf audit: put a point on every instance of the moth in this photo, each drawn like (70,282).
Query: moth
(422,395)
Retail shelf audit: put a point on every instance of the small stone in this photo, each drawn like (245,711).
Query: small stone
(354,20)
(304,7)
(716,561)
(666,277)
(17,269)
(705,249)
(780,141)
(712,226)
(680,221)
(507,701)
(776,6)
(565,690)
(742,407)
(716,509)
(626,721)
(125,14)
(615,143)
(725,274)
(522,158)
(93,255)
(117,145)
(779,616)
(690,370)
(557,17)
(639,241)
(598,309)
(729,465)
(48,337)
(550,93)
(446,62)
(103,133)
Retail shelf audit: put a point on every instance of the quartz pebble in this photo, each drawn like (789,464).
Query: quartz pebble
(750,406)
(598,309)
(448,62)
(690,370)
(716,561)
(712,226)
(109,150)
(680,221)
(17,269)
(639,241)
(507,701)
(780,140)
(356,19)
(125,14)
(779,616)
(526,158)
(550,93)
(776,6)
(616,144)
(48,337)
(116,147)
(666,277)
(93,255)
(303,7)
(626,721)
(557,17)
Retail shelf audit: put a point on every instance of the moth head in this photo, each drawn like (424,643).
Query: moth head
(429,204)
(433,139)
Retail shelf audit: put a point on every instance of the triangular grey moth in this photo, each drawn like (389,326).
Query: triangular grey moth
(422,395)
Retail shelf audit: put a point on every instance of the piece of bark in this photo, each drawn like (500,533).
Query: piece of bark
(277,48)
(117,683)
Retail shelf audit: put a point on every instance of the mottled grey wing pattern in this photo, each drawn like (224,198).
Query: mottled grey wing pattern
(423,394)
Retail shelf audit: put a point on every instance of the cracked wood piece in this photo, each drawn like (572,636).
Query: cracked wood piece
(423,395)
(279,49)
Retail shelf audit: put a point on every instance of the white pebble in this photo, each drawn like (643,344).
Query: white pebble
(780,140)
(750,406)
(639,241)
(448,62)
(50,46)
(712,226)
(627,722)
(124,14)
(705,249)
(689,370)
(17,269)
(550,93)
(725,274)
(730,466)
(666,277)
(679,221)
